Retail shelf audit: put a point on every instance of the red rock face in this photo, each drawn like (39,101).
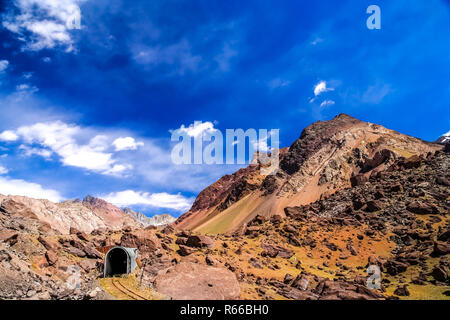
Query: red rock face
(145,240)
(312,139)
(192,281)
(110,213)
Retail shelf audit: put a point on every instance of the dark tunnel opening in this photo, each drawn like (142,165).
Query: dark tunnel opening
(117,262)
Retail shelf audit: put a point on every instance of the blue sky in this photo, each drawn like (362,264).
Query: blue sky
(89,111)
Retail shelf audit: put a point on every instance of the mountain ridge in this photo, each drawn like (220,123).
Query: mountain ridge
(155,220)
(324,159)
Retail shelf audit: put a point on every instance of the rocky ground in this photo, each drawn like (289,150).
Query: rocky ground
(396,218)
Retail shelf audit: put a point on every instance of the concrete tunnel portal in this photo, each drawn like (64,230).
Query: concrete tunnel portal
(120,260)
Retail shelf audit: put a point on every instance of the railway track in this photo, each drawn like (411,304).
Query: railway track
(130,294)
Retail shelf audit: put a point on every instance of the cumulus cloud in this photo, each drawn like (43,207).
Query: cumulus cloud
(8,135)
(41,24)
(127,143)
(29,151)
(197,128)
(3,65)
(64,140)
(327,103)
(157,200)
(29,189)
(321,87)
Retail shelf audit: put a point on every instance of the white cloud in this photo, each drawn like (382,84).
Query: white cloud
(29,151)
(321,87)
(118,169)
(99,143)
(178,54)
(224,58)
(63,139)
(316,41)
(8,135)
(127,143)
(3,65)
(327,103)
(375,94)
(197,128)
(278,83)
(27,75)
(29,189)
(41,24)
(24,87)
(3,170)
(158,200)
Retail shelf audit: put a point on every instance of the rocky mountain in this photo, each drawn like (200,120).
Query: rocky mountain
(444,139)
(86,215)
(156,220)
(387,211)
(328,156)
(397,220)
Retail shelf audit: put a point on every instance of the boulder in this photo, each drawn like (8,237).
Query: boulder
(402,291)
(199,241)
(251,230)
(51,256)
(340,290)
(301,282)
(272,251)
(88,264)
(440,273)
(420,207)
(412,162)
(76,252)
(145,240)
(73,230)
(296,294)
(257,220)
(8,236)
(210,261)
(181,240)
(48,244)
(82,236)
(441,248)
(444,236)
(394,267)
(444,181)
(288,278)
(192,281)
(358,180)
(373,205)
(185,251)
(289,229)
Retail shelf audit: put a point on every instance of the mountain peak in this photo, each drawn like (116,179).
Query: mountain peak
(320,162)
(445,138)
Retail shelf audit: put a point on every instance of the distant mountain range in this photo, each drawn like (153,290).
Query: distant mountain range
(156,220)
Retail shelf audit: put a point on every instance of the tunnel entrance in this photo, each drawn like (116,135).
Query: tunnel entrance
(116,262)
